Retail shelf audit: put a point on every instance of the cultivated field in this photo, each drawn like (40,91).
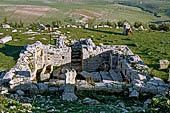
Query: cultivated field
(46,11)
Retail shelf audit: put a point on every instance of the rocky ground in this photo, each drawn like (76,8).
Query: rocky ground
(89,102)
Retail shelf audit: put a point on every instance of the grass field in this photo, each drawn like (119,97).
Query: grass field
(46,11)
(149,45)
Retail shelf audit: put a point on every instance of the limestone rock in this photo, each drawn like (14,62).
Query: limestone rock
(42,27)
(5,39)
(14,31)
(3,90)
(6,26)
(89,101)
(96,77)
(90,43)
(157,81)
(68,93)
(28,86)
(142,77)
(42,87)
(86,75)
(69,97)
(134,93)
(53,89)
(60,43)
(44,77)
(115,76)
(20,92)
(146,103)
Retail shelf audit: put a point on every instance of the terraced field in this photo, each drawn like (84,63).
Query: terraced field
(46,11)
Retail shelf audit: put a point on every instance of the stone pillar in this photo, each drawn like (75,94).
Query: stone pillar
(68,94)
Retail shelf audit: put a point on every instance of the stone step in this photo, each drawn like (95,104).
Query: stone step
(105,75)
(75,60)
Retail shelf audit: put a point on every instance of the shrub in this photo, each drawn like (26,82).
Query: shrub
(153,26)
(164,27)
(120,23)
(137,24)
(112,24)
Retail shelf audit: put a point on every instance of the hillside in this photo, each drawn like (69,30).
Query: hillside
(46,11)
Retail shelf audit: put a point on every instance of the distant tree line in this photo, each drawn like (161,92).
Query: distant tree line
(91,23)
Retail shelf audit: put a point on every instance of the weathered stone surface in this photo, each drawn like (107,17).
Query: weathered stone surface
(3,90)
(86,75)
(42,87)
(28,86)
(44,77)
(89,101)
(42,27)
(146,103)
(6,26)
(105,75)
(142,77)
(68,93)
(53,89)
(60,43)
(115,76)
(69,97)
(39,59)
(134,93)
(96,77)
(20,92)
(157,81)
(5,39)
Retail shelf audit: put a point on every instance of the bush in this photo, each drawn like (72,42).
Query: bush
(164,27)
(137,24)
(120,23)
(112,24)
(153,26)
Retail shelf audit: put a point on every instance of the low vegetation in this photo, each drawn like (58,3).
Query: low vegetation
(109,103)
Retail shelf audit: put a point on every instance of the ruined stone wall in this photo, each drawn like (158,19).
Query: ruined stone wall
(36,57)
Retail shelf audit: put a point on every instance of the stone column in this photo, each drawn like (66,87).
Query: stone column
(68,94)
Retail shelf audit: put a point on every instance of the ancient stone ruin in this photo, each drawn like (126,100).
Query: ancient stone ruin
(81,65)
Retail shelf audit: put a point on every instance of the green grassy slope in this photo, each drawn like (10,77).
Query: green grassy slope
(101,11)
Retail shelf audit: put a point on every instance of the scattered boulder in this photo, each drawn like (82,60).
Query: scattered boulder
(86,26)
(89,101)
(3,90)
(42,27)
(96,77)
(53,89)
(42,87)
(20,92)
(28,86)
(5,39)
(86,75)
(14,31)
(134,94)
(6,26)
(146,103)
